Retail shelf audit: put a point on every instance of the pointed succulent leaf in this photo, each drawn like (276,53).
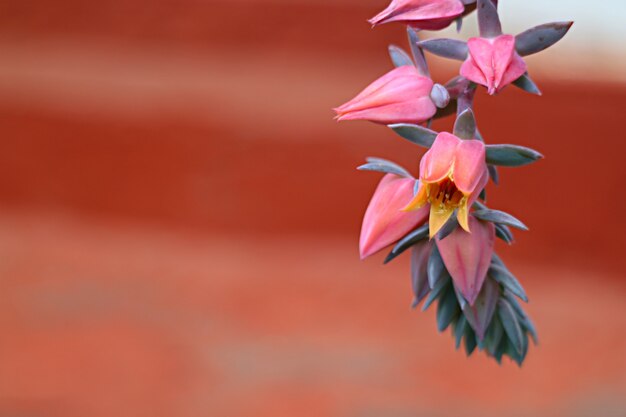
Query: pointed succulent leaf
(540,37)
(446,48)
(503,276)
(502,347)
(511,324)
(418,54)
(465,125)
(459,296)
(441,285)
(449,227)
(406,242)
(447,309)
(417,134)
(383,165)
(480,314)
(494,335)
(435,267)
(399,57)
(457,86)
(440,96)
(527,84)
(497,216)
(493,171)
(470,340)
(488,20)
(419,274)
(503,232)
(511,155)
(483,194)
(459,331)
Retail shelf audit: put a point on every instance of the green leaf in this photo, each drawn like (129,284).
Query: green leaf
(465,125)
(385,166)
(497,216)
(527,84)
(503,276)
(406,242)
(399,57)
(417,134)
(436,269)
(511,155)
(437,291)
(447,309)
(511,325)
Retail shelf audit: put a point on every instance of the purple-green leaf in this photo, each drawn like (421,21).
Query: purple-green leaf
(540,37)
(383,165)
(446,48)
(418,54)
(488,20)
(527,84)
(417,134)
(480,314)
(511,155)
(465,125)
(399,57)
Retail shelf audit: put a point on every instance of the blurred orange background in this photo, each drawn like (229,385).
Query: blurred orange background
(180,215)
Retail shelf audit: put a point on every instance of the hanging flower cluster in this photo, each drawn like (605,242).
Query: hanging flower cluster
(441,215)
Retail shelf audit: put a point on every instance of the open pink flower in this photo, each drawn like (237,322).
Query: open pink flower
(467,256)
(452,174)
(421,14)
(400,96)
(493,63)
(385,222)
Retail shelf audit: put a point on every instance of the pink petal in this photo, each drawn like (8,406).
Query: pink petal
(481,53)
(503,50)
(469,165)
(437,162)
(516,69)
(424,11)
(385,222)
(407,92)
(470,70)
(467,256)
(416,111)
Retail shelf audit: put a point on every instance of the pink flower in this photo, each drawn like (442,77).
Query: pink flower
(452,174)
(493,63)
(421,14)
(400,96)
(467,256)
(385,222)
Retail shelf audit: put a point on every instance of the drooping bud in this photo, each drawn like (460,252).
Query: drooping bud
(384,222)
(467,256)
(400,96)
(421,14)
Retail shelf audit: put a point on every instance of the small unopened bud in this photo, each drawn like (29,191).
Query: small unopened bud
(440,96)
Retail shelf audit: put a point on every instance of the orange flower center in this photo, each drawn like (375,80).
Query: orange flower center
(444,195)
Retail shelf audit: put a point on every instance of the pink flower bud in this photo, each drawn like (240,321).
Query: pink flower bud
(421,14)
(493,63)
(452,174)
(400,96)
(467,256)
(385,222)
